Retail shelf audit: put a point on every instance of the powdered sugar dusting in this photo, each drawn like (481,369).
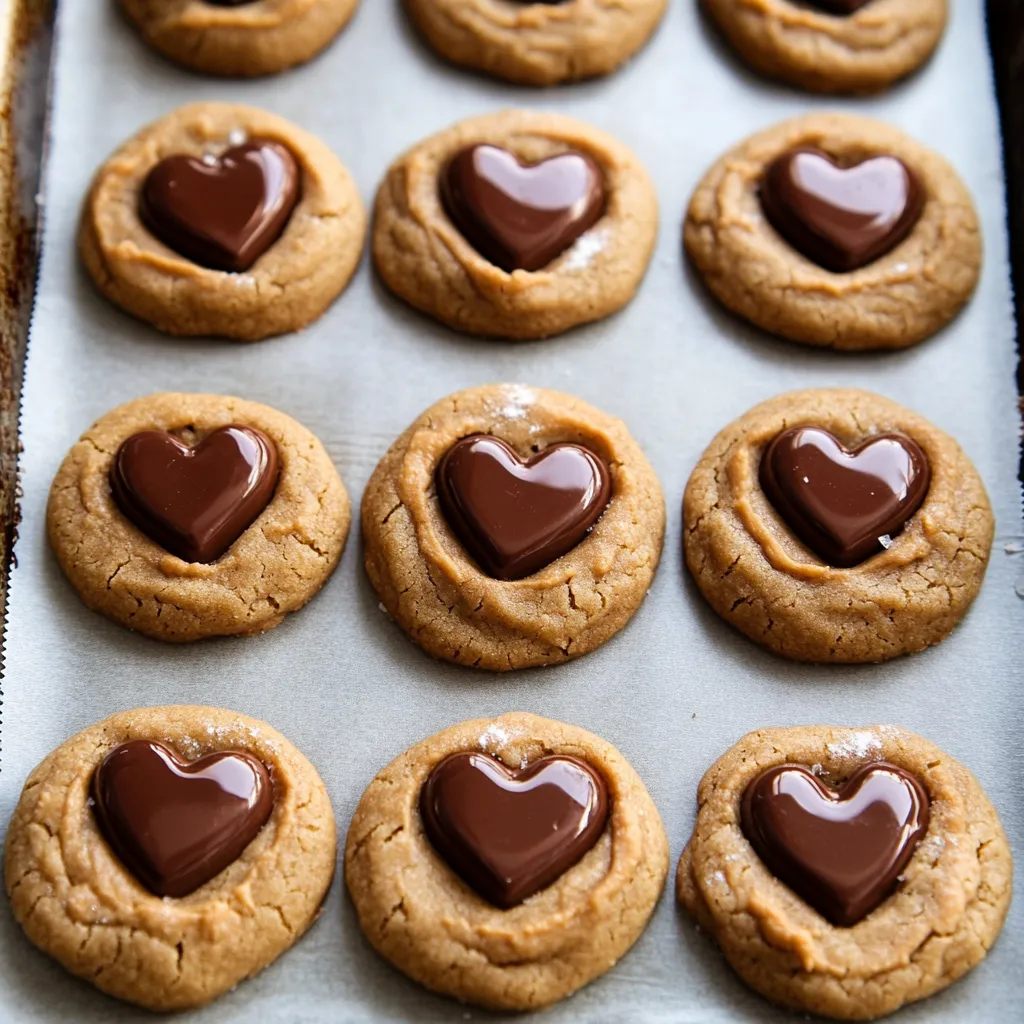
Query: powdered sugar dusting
(518,399)
(587,246)
(493,735)
(237,137)
(860,743)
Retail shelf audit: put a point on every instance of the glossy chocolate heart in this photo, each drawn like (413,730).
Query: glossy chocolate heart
(510,833)
(222,213)
(841,851)
(520,217)
(195,502)
(839,6)
(176,825)
(841,218)
(842,503)
(515,517)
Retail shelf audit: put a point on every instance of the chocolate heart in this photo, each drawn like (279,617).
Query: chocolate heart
(520,217)
(509,833)
(842,218)
(842,852)
(176,825)
(195,502)
(225,212)
(842,503)
(515,517)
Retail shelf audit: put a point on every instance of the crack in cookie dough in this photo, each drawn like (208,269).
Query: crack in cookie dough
(430,586)
(422,918)
(288,287)
(896,301)
(275,566)
(258,38)
(425,261)
(538,43)
(939,924)
(79,904)
(865,51)
(755,573)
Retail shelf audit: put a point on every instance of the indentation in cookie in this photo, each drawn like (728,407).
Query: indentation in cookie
(222,212)
(840,850)
(521,216)
(174,824)
(839,6)
(508,833)
(841,218)
(845,505)
(195,501)
(514,516)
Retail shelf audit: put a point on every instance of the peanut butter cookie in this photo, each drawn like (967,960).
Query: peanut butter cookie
(170,910)
(836,231)
(242,38)
(223,220)
(537,43)
(515,225)
(189,516)
(512,526)
(856,46)
(836,525)
(846,872)
(506,862)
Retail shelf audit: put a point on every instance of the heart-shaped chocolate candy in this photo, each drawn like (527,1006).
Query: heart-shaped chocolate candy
(195,502)
(520,217)
(842,218)
(841,851)
(176,825)
(839,6)
(841,503)
(515,517)
(508,833)
(222,213)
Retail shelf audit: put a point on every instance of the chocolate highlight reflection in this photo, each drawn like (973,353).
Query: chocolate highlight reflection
(222,212)
(841,851)
(842,502)
(520,217)
(176,825)
(841,218)
(516,517)
(510,833)
(195,502)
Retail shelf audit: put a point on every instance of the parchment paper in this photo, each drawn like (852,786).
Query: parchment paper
(675,688)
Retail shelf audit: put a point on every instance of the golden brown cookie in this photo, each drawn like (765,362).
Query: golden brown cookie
(537,43)
(244,39)
(754,569)
(275,565)
(294,280)
(818,46)
(942,918)
(428,262)
(897,300)
(78,902)
(420,915)
(431,586)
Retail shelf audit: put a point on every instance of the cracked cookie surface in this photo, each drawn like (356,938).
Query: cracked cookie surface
(288,287)
(425,260)
(896,301)
(79,904)
(275,566)
(256,38)
(537,43)
(866,51)
(938,924)
(761,579)
(430,586)
(421,917)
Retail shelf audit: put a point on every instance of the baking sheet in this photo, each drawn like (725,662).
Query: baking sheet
(677,686)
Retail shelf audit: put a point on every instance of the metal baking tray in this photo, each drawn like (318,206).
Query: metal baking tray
(677,686)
